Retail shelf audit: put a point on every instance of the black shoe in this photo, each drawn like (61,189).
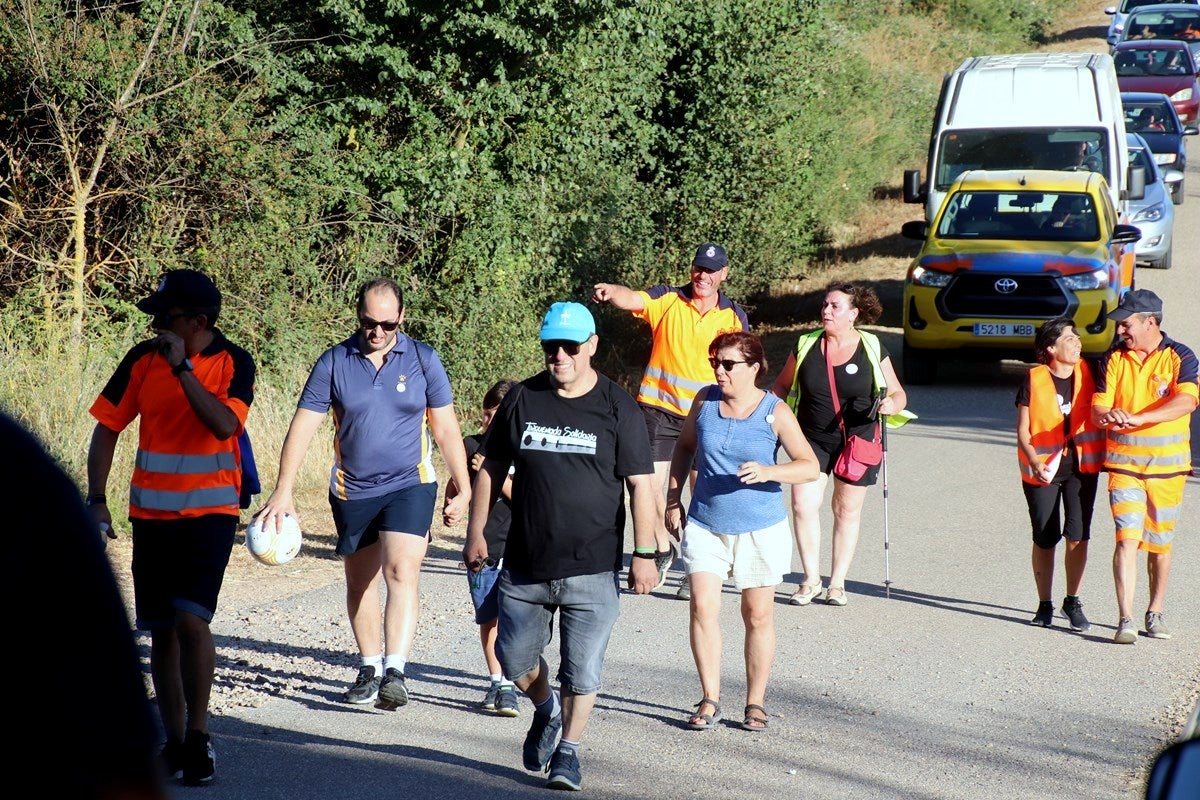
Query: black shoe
(392,691)
(1044,615)
(199,759)
(1073,608)
(171,758)
(365,688)
(541,741)
(663,559)
(564,771)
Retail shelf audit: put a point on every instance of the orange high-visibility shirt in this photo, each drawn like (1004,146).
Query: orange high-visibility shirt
(678,366)
(182,468)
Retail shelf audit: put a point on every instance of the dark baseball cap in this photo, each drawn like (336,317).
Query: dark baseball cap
(710,257)
(1137,301)
(182,288)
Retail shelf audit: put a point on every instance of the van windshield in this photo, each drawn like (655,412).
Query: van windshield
(1050,148)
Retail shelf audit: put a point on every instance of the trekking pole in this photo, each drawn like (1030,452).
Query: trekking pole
(887,566)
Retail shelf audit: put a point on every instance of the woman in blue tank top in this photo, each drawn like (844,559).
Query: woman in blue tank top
(736,524)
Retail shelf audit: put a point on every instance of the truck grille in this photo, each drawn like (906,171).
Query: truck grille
(976,295)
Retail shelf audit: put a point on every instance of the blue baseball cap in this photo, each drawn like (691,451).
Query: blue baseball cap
(710,257)
(570,322)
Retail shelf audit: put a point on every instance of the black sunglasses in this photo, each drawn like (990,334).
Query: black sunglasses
(368,324)
(724,363)
(551,346)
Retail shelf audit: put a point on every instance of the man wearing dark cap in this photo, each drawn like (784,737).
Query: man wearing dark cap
(192,389)
(683,321)
(1146,389)
(576,443)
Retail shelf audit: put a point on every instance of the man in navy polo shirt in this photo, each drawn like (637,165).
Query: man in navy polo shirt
(389,393)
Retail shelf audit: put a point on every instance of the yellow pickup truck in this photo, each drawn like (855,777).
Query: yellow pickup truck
(1007,251)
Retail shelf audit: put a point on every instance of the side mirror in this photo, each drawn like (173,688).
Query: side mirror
(1172,176)
(1176,772)
(1137,184)
(1110,10)
(912,186)
(1190,130)
(1126,234)
(917,229)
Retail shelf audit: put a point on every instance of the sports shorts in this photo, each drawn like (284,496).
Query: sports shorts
(358,522)
(178,566)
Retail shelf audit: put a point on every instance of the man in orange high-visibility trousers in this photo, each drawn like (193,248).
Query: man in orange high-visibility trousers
(1146,389)
(684,320)
(191,388)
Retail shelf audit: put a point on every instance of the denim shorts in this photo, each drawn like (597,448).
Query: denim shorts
(485,592)
(588,606)
(358,522)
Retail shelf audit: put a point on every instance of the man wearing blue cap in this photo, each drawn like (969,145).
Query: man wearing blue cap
(576,441)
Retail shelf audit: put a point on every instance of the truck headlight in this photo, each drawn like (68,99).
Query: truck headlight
(930,277)
(1096,279)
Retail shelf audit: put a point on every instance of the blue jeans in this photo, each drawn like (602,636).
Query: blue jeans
(588,606)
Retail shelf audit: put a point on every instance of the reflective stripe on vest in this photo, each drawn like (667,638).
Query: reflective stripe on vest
(183,464)
(1046,423)
(673,392)
(1148,456)
(163,500)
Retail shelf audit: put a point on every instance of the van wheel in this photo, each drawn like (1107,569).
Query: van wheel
(919,366)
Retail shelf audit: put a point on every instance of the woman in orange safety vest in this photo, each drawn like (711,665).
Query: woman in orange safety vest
(1060,453)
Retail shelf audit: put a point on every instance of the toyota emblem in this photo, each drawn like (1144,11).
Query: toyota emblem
(1006,286)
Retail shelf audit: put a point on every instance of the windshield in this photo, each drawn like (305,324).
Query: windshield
(1151,24)
(1049,148)
(1160,62)
(1138,158)
(1152,117)
(1044,216)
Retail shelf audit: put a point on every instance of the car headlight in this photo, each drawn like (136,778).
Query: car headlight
(1181,95)
(930,277)
(1149,214)
(1097,279)
(1164,158)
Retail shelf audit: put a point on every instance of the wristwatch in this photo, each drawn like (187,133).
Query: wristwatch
(182,367)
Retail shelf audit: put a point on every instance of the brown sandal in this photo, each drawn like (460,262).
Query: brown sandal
(702,722)
(753,722)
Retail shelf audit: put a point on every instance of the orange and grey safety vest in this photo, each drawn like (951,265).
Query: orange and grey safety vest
(181,468)
(1163,449)
(1046,423)
(678,366)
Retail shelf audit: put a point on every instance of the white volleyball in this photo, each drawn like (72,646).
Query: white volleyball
(275,544)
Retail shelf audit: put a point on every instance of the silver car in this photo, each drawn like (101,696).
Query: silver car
(1154,214)
(1120,11)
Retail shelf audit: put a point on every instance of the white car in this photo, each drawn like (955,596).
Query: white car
(1121,11)
(1154,214)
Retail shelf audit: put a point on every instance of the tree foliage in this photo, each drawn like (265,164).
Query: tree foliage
(492,156)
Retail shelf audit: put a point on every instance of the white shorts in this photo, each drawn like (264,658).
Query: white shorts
(757,558)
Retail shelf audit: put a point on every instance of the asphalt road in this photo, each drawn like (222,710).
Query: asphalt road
(942,690)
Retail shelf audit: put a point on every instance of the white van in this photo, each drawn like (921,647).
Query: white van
(1059,111)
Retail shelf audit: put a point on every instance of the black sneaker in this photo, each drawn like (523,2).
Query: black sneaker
(199,759)
(564,771)
(1044,615)
(541,741)
(1073,608)
(365,688)
(506,701)
(171,758)
(490,697)
(392,691)
(663,559)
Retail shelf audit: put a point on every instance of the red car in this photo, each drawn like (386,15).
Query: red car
(1163,66)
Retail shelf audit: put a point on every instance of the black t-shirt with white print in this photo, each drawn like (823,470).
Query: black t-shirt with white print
(571,457)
